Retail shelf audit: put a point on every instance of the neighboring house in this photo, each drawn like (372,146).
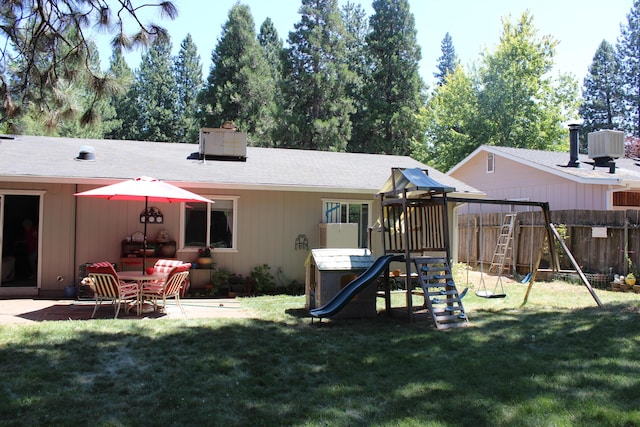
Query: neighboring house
(268,207)
(543,176)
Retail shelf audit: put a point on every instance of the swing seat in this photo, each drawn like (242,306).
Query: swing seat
(489,294)
(522,279)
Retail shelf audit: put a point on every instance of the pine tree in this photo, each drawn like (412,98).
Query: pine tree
(273,48)
(396,89)
(357,28)
(47,40)
(123,100)
(188,73)
(448,61)
(601,94)
(156,95)
(239,87)
(317,109)
(628,48)
(66,108)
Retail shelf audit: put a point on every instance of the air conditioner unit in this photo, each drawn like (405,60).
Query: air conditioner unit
(219,142)
(606,143)
(338,235)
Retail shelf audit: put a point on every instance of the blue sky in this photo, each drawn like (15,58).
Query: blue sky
(578,25)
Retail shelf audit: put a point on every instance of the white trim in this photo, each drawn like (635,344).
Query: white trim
(491,163)
(40,194)
(234,230)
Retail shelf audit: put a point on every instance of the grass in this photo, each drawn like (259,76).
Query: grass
(558,360)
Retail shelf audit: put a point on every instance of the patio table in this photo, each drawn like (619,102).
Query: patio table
(140,278)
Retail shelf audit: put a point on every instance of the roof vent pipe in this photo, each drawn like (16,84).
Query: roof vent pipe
(574,130)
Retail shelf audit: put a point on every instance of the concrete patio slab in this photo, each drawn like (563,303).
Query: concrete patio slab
(24,310)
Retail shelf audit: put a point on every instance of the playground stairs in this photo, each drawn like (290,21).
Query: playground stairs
(440,293)
(502,255)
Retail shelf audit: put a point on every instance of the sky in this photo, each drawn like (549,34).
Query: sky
(475,26)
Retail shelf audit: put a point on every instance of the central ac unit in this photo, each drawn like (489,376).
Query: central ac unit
(219,142)
(606,143)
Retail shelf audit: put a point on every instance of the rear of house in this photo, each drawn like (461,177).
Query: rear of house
(269,207)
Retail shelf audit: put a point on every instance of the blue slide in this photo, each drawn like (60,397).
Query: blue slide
(354,287)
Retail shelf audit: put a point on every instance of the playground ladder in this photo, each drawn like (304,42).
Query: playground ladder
(502,254)
(440,293)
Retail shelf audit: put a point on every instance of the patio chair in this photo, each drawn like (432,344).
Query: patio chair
(169,288)
(165,266)
(107,287)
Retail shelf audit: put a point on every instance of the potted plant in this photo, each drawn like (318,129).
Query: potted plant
(204,257)
(630,278)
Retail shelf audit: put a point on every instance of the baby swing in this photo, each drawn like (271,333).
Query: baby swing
(527,277)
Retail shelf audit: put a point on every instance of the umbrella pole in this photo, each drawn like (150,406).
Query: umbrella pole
(144,247)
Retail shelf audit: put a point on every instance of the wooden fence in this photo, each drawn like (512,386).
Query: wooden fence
(598,240)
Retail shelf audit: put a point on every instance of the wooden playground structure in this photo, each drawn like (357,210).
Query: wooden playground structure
(415,212)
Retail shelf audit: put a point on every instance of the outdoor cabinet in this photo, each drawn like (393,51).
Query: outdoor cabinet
(131,252)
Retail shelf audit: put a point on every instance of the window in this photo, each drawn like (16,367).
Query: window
(490,163)
(355,211)
(211,224)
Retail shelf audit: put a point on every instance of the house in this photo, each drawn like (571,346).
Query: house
(269,204)
(601,180)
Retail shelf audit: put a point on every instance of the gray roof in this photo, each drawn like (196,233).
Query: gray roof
(627,170)
(52,159)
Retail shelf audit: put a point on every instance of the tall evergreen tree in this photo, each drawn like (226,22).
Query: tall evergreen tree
(156,95)
(396,89)
(448,60)
(316,113)
(188,71)
(357,28)
(123,101)
(272,45)
(601,94)
(239,87)
(47,39)
(66,107)
(628,48)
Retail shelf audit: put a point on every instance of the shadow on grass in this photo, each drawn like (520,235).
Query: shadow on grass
(510,368)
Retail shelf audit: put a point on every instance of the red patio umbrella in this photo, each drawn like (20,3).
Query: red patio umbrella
(144,189)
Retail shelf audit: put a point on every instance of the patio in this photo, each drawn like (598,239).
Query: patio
(38,310)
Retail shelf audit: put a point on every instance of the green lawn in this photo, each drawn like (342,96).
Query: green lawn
(557,361)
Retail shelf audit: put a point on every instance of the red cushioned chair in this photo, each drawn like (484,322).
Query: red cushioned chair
(108,287)
(165,266)
(169,288)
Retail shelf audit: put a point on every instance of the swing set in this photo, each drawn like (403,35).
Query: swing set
(551,235)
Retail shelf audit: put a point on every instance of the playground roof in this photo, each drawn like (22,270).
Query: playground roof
(341,259)
(414,182)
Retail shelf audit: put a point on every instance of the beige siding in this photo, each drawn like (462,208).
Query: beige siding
(268,224)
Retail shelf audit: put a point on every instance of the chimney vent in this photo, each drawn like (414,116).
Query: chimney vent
(574,130)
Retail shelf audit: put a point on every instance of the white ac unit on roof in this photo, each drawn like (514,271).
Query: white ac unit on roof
(219,142)
(606,143)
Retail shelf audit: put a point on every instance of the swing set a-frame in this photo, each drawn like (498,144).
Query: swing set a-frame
(551,236)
